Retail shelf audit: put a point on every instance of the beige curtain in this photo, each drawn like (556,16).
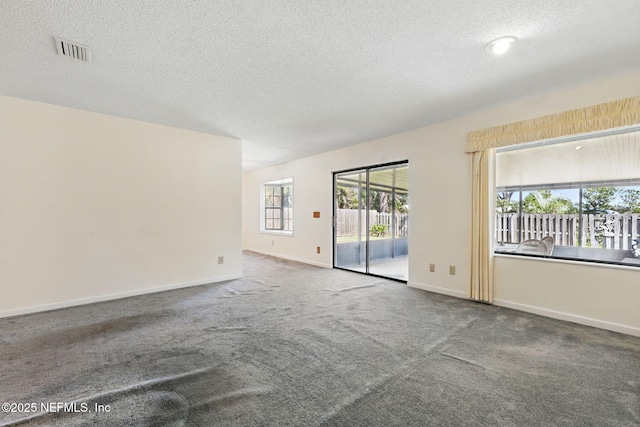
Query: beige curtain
(482,219)
(609,115)
(481,146)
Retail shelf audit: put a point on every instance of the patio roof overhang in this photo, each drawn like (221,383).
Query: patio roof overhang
(614,156)
(384,179)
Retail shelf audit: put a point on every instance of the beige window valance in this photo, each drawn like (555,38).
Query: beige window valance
(609,115)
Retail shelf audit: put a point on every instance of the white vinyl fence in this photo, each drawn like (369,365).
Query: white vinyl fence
(611,231)
(347,222)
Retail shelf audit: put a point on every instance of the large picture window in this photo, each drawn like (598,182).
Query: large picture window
(576,199)
(277,206)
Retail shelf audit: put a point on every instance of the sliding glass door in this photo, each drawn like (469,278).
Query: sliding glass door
(350,231)
(371,220)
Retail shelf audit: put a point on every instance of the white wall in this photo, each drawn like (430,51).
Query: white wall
(600,296)
(440,208)
(95,207)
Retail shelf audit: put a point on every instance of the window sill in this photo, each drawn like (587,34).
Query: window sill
(582,262)
(277,232)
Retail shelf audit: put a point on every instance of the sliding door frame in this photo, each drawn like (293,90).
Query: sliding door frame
(366,170)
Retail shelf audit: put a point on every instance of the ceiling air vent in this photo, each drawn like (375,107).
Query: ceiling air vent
(73,50)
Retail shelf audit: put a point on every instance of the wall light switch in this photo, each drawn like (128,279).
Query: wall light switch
(432,267)
(316,214)
(452,270)
(318,249)
(220,260)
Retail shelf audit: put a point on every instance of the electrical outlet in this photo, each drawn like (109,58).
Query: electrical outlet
(318,249)
(220,260)
(432,267)
(452,270)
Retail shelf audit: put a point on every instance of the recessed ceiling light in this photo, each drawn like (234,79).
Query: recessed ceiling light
(501,45)
(578,147)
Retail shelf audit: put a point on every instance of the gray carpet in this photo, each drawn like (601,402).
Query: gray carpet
(296,345)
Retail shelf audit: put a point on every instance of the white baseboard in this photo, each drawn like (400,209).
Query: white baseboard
(602,324)
(289,258)
(109,297)
(438,290)
(574,318)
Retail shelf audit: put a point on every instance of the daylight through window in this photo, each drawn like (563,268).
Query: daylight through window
(277,206)
(576,199)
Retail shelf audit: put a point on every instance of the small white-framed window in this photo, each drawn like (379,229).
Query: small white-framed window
(276,203)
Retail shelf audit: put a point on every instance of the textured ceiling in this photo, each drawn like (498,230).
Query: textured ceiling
(292,78)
